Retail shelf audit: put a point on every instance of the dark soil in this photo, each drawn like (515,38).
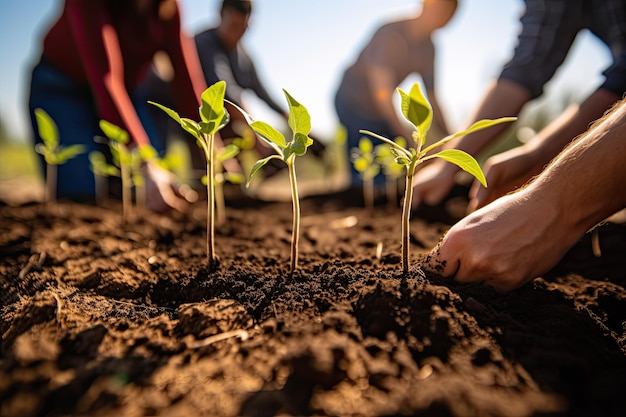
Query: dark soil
(101,319)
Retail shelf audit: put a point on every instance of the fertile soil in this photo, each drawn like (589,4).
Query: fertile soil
(104,319)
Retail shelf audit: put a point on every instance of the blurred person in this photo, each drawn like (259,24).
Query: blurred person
(524,234)
(549,28)
(222,57)
(92,60)
(398,49)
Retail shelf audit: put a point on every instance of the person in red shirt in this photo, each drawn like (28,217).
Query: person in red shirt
(93,59)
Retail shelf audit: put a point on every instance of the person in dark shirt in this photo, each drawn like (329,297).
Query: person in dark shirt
(93,59)
(223,56)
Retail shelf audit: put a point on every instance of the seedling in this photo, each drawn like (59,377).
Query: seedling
(391,170)
(213,117)
(417,110)
(53,153)
(101,171)
(300,123)
(221,176)
(364,161)
(122,158)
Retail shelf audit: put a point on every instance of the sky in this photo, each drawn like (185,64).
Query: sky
(303,47)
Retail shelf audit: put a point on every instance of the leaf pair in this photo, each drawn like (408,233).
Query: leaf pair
(53,153)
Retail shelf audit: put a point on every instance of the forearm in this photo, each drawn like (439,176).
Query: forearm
(588,179)
(503,99)
(114,83)
(569,125)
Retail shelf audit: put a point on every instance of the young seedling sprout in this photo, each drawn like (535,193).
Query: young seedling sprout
(417,110)
(300,123)
(391,170)
(101,171)
(364,162)
(118,140)
(221,176)
(53,153)
(213,117)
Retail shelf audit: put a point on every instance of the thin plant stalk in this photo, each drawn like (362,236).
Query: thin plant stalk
(406,217)
(126,192)
(50,195)
(295,235)
(210,172)
(417,110)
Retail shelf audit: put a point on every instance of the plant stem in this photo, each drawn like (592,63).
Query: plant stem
(406,215)
(295,234)
(51,183)
(210,224)
(126,197)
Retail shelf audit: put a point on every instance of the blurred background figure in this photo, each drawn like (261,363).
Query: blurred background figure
(548,31)
(364,99)
(92,61)
(223,57)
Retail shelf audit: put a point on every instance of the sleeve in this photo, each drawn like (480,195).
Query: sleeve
(86,22)
(615,76)
(548,31)
(188,82)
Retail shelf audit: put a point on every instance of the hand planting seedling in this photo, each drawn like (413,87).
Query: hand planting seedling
(213,117)
(417,110)
(364,161)
(391,170)
(300,124)
(53,153)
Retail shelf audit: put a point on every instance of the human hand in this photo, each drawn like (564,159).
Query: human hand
(162,193)
(506,243)
(504,172)
(433,183)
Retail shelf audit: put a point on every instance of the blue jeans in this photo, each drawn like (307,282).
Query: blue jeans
(353,122)
(72,108)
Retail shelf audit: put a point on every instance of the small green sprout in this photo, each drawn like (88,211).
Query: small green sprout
(213,117)
(391,169)
(53,153)
(299,122)
(364,161)
(417,110)
(102,170)
(221,176)
(122,158)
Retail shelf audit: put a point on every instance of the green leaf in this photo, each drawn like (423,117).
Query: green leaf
(464,161)
(416,109)
(234,177)
(258,165)
(147,152)
(361,164)
(365,145)
(300,143)
(69,152)
(47,129)
(190,126)
(227,152)
(479,125)
(114,132)
(269,134)
(299,120)
(167,110)
(212,109)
